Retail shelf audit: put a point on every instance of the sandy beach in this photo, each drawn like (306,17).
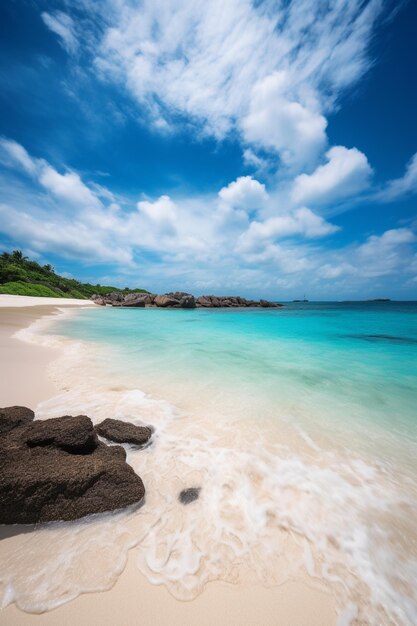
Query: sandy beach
(133,599)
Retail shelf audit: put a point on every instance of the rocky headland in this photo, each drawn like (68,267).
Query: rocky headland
(177,300)
(58,469)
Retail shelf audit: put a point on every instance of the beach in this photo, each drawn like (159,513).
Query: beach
(131,599)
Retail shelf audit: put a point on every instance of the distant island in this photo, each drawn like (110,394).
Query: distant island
(20,276)
(379,300)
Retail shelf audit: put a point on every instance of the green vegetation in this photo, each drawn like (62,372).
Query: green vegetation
(21,276)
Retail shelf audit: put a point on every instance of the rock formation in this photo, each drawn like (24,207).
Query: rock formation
(123,432)
(178,300)
(57,469)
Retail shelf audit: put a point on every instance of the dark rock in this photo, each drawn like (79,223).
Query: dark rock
(114,296)
(204,301)
(41,484)
(56,469)
(99,300)
(177,295)
(123,432)
(134,300)
(187,496)
(73,434)
(164,301)
(187,302)
(13,416)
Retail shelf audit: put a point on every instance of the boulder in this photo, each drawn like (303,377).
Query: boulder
(73,434)
(204,301)
(56,469)
(267,304)
(187,302)
(166,300)
(123,432)
(115,296)
(134,300)
(13,416)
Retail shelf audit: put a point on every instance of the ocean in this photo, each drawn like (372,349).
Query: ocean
(298,425)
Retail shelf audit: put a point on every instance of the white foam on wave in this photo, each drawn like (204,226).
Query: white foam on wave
(269,510)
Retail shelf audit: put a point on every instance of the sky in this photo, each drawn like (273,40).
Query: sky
(263,148)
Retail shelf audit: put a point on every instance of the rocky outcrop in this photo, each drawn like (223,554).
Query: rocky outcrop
(12,417)
(166,300)
(123,432)
(71,434)
(57,469)
(179,300)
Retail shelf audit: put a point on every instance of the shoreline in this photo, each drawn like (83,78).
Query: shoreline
(132,597)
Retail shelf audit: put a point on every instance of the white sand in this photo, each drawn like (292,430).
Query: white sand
(25,301)
(133,600)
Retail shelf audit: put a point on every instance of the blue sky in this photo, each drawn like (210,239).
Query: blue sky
(257,148)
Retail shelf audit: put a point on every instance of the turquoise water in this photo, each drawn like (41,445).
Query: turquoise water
(299,427)
(332,362)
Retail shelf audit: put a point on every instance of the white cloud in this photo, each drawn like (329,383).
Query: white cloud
(244,193)
(195,243)
(346,173)
(270,72)
(251,159)
(162,212)
(61,235)
(297,133)
(302,222)
(62,25)
(401,186)
(380,255)
(14,155)
(68,186)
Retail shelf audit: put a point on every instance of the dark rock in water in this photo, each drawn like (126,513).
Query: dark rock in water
(73,434)
(189,495)
(57,469)
(134,300)
(123,432)
(13,416)
(177,299)
(187,302)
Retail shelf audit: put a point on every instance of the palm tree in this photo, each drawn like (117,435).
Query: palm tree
(6,256)
(48,268)
(17,255)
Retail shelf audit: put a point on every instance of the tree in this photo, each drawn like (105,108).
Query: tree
(18,257)
(49,268)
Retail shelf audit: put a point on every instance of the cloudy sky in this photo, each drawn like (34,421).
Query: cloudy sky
(264,148)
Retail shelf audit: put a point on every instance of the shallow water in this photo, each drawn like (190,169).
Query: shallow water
(298,426)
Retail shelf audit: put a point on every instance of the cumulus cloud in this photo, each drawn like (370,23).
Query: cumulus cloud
(297,133)
(244,193)
(346,173)
(62,25)
(193,242)
(300,222)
